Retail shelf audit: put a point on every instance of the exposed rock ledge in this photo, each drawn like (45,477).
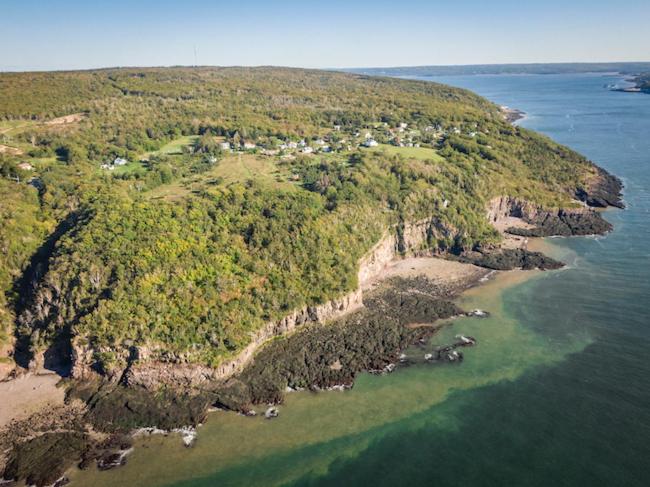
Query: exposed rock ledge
(541,222)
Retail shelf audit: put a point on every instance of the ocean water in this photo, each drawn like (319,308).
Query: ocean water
(556,393)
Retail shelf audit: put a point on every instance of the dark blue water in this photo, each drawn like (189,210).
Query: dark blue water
(586,420)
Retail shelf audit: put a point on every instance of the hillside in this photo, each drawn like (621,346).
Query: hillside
(167,215)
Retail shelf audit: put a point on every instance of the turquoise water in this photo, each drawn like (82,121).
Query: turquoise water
(556,393)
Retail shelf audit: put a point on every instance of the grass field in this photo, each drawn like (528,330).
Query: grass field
(13,127)
(242,167)
(130,168)
(422,153)
(236,168)
(175,147)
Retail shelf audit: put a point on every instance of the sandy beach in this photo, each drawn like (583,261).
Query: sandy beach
(28,394)
(447,274)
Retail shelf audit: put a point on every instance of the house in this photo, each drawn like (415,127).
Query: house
(119,161)
(319,142)
(370,143)
(337,128)
(224,145)
(326,148)
(403,125)
(25,166)
(292,145)
(249,145)
(307,150)
(108,167)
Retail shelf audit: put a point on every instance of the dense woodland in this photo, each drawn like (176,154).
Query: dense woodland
(188,250)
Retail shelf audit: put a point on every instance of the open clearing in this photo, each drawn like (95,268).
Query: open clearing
(72,118)
(422,153)
(242,167)
(235,168)
(175,147)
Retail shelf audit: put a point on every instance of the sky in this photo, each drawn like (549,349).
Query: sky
(80,34)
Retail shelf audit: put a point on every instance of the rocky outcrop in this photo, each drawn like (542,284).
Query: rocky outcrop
(547,222)
(508,259)
(604,190)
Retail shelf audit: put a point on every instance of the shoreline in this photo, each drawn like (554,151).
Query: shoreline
(220,421)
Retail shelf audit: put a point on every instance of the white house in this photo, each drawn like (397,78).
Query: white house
(119,161)
(326,148)
(249,145)
(225,145)
(292,145)
(307,150)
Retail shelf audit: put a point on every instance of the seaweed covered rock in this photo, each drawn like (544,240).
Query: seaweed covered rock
(319,357)
(564,223)
(115,408)
(508,259)
(43,460)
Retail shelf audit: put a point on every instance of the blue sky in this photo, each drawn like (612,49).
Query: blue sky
(74,34)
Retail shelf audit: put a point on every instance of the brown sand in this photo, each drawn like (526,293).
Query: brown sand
(25,395)
(446,273)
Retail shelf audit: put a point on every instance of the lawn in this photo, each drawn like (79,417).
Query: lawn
(175,147)
(242,167)
(422,153)
(13,127)
(235,168)
(130,168)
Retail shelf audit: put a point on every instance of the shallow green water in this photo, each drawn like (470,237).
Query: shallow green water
(557,392)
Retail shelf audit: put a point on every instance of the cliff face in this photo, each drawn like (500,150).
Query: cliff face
(546,222)
(147,370)
(411,239)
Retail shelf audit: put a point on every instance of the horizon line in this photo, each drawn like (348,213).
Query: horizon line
(11,69)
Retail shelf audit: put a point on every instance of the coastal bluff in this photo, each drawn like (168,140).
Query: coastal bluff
(410,240)
(407,239)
